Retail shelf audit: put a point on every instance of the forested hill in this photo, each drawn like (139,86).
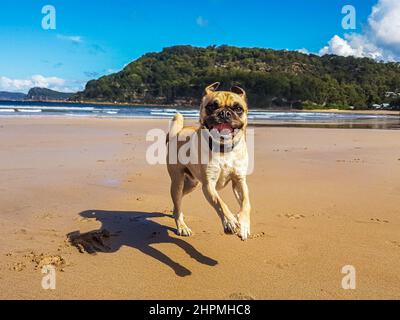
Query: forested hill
(43,94)
(178,75)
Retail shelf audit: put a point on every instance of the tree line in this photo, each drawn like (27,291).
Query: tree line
(272,78)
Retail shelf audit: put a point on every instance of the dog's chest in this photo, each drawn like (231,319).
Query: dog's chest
(223,167)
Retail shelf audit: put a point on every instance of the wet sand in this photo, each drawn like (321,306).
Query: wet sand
(78,194)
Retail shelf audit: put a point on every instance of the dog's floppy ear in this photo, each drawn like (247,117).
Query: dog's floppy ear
(212,87)
(239,91)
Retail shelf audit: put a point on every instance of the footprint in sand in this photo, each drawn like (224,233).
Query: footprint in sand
(292,216)
(47,216)
(21,231)
(42,259)
(90,242)
(18,266)
(355,160)
(395,243)
(257,235)
(283,266)
(38,261)
(241,296)
(374,220)
(154,234)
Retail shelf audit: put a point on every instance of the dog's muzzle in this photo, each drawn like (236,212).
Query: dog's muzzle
(221,137)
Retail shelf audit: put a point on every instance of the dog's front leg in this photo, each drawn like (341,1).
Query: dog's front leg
(241,192)
(229,221)
(177,186)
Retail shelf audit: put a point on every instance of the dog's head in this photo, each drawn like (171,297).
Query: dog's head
(224,113)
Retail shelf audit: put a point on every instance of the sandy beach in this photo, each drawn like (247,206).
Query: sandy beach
(79,194)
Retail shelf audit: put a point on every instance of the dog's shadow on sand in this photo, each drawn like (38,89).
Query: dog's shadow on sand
(136,230)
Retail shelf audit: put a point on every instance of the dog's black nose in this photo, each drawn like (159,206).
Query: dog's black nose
(225,115)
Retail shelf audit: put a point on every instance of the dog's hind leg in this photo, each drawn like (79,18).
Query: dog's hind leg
(177,192)
(190,184)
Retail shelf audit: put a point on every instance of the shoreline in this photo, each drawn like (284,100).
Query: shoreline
(377,112)
(367,125)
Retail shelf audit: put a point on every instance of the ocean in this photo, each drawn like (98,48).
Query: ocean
(256,117)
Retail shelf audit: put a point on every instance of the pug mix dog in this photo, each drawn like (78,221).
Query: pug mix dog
(222,159)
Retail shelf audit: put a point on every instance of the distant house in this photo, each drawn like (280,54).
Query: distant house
(391,94)
(381,106)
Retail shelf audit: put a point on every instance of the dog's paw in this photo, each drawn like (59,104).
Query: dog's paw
(184,231)
(244,231)
(231,225)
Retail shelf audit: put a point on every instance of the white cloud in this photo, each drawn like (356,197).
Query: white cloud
(23,85)
(384,22)
(73,39)
(303,50)
(110,70)
(380,40)
(338,46)
(200,21)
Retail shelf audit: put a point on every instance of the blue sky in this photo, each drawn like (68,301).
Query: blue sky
(97,37)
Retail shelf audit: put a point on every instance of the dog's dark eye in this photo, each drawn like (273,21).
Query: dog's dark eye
(211,107)
(238,109)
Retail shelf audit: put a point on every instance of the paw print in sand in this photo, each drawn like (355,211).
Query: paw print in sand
(90,242)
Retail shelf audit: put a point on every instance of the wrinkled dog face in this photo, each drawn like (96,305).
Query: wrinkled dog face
(224,113)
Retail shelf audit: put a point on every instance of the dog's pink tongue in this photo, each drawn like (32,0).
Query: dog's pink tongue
(223,126)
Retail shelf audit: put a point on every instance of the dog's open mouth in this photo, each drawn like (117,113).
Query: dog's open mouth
(223,128)
(223,132)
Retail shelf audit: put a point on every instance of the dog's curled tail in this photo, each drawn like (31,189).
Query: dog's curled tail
(175,126)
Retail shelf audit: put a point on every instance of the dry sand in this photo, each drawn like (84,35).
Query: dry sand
(322,199)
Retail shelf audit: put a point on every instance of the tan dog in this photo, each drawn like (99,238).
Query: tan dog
(222,159)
